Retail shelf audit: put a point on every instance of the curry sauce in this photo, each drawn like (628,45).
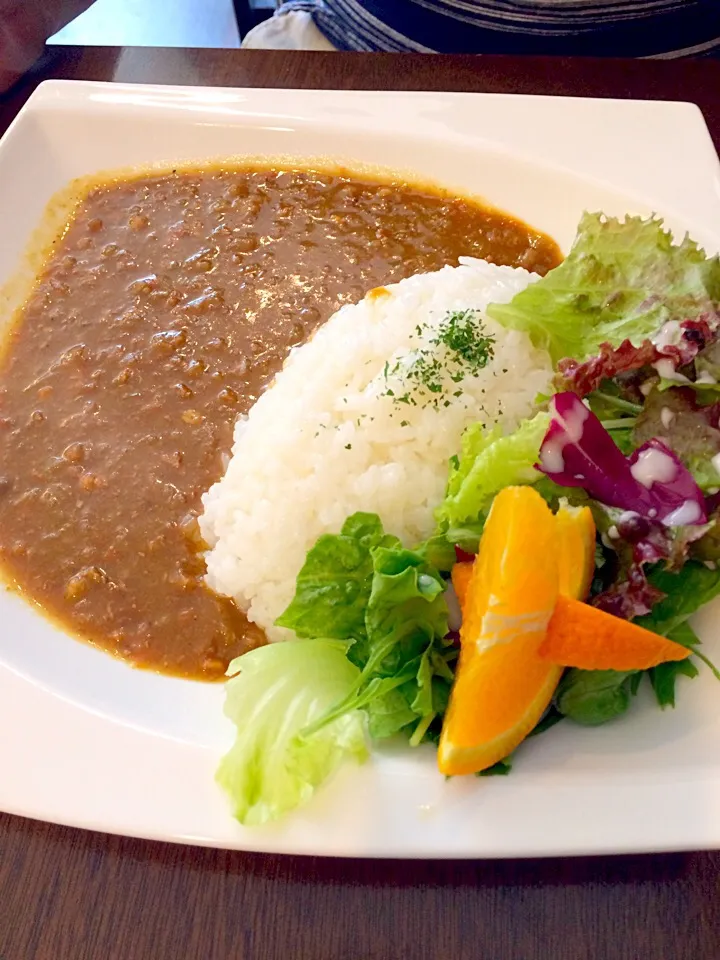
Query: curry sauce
(167,306)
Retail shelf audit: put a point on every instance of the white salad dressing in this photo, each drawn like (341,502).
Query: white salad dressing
(687,512)
(653,466)
(551,455)
(667,371)
(715,461)
(667,416)
(705,377)
(669,335)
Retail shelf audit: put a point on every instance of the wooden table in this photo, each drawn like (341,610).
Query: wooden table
(70,895)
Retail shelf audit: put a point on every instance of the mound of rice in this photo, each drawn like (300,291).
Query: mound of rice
(327,439)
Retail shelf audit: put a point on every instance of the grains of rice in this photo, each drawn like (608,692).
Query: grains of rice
(330,436)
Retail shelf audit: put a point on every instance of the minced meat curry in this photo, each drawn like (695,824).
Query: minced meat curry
(167,305)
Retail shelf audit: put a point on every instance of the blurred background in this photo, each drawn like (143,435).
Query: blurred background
(165,23)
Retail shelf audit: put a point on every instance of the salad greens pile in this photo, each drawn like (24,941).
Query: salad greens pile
(373,654)
(387,603)
(631,321)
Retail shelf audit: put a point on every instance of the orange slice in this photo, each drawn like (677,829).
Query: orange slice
(460,576)
(502,686)
(576,555)
(576,550)
(582,636)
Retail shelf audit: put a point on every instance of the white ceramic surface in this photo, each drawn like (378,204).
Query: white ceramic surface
(85,740)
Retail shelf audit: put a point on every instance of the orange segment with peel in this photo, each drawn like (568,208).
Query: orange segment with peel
(502,686)
(579,635)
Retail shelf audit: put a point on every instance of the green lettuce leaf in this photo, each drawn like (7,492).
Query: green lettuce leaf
(685,591)
(389,710)
(706,382)
(333,587)
(405,612)
(664,677)
(707,366)
(592,697)
(403,656)
(407,620)
(704,473)
(488,462)
(278,691)
(438,552)
(388,603)
(500,769)
(706,392)
(621,280)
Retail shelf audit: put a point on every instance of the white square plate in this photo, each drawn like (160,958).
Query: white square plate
(87,741)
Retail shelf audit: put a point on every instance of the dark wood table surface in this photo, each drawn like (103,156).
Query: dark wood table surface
(70,895)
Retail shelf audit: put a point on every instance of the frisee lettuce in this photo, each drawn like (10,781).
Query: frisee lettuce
(623,279)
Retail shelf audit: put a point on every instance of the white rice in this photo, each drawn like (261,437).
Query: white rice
(326,440)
